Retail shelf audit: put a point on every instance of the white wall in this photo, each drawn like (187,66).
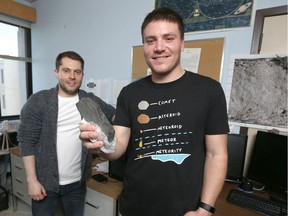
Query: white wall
(103,32)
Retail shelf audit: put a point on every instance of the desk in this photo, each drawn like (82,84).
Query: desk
(113,189)
(223,208)
(102,197)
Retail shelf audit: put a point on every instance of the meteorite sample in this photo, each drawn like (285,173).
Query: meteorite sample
(92,113)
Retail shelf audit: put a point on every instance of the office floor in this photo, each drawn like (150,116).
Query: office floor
(22,210)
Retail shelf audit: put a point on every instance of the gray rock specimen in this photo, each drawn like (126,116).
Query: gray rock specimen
(92,113)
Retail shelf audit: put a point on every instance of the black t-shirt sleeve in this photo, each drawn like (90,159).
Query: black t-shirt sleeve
(217,121)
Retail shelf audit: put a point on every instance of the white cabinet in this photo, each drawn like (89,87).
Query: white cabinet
(19,183)
(98,204)
(101,199)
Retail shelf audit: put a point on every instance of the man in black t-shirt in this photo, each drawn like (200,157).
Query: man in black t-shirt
(173,126)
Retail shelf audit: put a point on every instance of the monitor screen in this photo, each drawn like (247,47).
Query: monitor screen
(268,164)
(236,157)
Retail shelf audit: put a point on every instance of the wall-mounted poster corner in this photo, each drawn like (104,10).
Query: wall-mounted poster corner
(257,91)
(199,15)
(210,62)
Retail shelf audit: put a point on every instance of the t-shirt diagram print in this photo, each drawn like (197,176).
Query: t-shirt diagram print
(161,139)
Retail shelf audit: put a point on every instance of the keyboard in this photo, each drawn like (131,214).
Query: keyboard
(257,204)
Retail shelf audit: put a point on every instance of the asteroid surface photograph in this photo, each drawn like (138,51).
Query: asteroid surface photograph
(259,92)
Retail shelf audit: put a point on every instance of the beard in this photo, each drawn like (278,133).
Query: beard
(69,91)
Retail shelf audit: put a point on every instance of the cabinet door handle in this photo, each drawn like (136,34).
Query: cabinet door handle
(19,180)
(20,194)
(96,207)
(18,166)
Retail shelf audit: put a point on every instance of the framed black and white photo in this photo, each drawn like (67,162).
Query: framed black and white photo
(257,91)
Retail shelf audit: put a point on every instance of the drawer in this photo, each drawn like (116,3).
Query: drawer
(19,182)
(20,190)
(19,174)
(98,204)
(17,167)
(19,187)
(17,161)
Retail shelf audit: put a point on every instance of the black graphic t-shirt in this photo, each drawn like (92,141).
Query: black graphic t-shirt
(166,152)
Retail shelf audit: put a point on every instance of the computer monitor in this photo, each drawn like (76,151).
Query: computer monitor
(236,157)
(268,164)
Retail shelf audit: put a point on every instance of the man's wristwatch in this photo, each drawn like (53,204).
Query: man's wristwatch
(207,207)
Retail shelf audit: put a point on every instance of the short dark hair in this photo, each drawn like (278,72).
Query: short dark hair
(69,54)
(166,14)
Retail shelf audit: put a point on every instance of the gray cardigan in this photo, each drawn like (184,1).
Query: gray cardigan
(38,130)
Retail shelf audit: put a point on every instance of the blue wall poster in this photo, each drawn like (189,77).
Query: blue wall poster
(203,15)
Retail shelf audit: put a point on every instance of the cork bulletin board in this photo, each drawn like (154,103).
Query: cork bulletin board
(210,60)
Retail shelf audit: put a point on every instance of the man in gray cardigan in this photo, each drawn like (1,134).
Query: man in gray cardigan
(56,164)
